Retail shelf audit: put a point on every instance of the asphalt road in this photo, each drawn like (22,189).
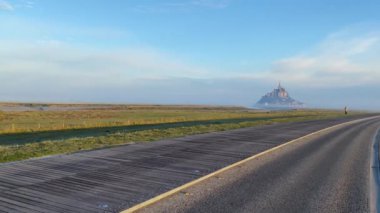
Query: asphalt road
(114,179)
(327,173)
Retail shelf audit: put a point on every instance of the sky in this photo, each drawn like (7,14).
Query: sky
(326,53)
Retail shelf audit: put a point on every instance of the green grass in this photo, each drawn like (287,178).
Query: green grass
(119,115)
(30,150)
(32,121)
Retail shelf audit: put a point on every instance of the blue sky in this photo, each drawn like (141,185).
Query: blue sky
(326,52)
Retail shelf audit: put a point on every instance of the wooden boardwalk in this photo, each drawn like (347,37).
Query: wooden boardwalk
(114,179)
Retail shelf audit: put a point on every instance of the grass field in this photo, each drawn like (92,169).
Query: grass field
(105,116)
(130,124)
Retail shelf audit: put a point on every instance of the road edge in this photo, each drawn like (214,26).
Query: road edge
(203,178)
(375,174)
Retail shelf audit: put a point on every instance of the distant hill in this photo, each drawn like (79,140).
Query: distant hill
(279,99)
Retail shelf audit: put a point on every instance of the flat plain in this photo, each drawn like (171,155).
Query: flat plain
(36,130)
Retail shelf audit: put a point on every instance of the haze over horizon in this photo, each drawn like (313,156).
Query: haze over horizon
(227,52)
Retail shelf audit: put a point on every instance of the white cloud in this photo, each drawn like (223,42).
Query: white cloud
(23,4)
(57,61)
(346,58)
(4,5)
(29,4)
(71,59)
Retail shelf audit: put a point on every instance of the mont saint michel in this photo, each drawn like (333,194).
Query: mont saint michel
(279,98)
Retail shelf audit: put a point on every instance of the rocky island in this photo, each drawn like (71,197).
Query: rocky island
(279,99)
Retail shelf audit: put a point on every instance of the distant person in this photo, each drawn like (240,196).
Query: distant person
(345,110)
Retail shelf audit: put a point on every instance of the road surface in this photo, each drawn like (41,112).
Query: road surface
(327,173)
(110,180)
